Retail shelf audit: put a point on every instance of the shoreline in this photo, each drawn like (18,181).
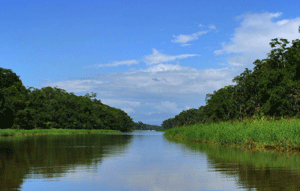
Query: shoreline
(21,132)
(281,135)
(253,146)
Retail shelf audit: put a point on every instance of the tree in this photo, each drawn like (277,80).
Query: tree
(271,89)
(8,78)
(6,114)
(12,97)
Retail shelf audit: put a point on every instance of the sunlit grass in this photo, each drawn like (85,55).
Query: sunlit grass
(259,133)
(20,132)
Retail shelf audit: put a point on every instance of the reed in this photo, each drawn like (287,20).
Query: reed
(250,133)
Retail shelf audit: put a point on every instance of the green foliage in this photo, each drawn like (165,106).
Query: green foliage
(48,107)
(6,114)
(12,97)
(24,119)
(8,78)
(56,108)
(272,89)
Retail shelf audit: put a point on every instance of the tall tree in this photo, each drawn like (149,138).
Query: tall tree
(272,89)
(13,97)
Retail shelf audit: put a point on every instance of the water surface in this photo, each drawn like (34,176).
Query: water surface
(141,160)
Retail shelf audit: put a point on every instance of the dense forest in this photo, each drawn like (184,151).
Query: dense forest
(22,108)
(272,89)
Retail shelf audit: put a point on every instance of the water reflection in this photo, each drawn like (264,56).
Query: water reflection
(154,163)
(140,160)
(253,170)
(53,156)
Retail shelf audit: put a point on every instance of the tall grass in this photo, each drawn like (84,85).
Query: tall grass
(21,132)
(284,133)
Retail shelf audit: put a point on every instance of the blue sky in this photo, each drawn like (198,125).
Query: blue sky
(152,59)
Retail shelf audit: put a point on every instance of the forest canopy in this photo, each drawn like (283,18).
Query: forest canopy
(272,89)
(22,108)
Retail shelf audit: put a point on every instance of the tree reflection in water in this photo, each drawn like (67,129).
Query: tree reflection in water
(253,169)
(53,156)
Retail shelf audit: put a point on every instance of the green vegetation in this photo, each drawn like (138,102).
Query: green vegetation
(281,134)
(22,132)
(261,111)
(272,89)
(48,108)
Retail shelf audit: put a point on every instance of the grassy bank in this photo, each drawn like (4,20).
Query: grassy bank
(282,134)
(21,132)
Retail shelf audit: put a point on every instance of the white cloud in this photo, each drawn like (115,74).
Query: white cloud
(167,106)
(165,79)
(212,27)
(156,57)
(118,102)
(251,39)
(159,80)
(119,63)
(163,68)
(243,60)
(256,31)
(76,86)
(184,38)
(126,105)
(186,44)
(128,110)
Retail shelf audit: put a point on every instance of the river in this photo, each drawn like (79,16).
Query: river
(141,160)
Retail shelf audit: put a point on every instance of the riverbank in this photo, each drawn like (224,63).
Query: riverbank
(22,132)
(281,135)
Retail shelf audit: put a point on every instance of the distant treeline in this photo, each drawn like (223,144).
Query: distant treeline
(22,108)
(272,89)
(142,126)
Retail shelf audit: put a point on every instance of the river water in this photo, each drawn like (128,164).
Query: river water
(141,160)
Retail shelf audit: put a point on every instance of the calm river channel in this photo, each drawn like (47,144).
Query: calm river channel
(141,160)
